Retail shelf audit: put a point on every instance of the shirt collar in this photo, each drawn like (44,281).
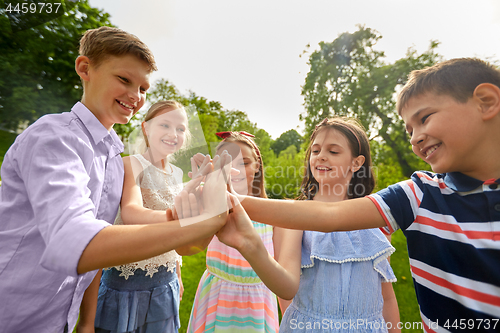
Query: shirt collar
(94,126)
(457,181)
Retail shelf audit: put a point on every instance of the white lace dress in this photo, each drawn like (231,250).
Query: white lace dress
(144,296)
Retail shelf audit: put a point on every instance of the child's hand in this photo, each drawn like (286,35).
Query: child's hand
(198,164)
(238,232)
(211,201)
(214,189)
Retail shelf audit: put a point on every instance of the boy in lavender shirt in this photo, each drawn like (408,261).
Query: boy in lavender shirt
(62,185)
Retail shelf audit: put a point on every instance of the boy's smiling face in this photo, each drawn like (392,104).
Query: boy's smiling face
(116,89)
(445,133)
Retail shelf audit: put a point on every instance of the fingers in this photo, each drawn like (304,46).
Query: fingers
(193,204)
(178,205)
(174,213)
(186,204)
(234,202)
(193,184)
(170,216)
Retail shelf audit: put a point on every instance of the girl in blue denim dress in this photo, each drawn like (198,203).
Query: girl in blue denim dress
(339,281)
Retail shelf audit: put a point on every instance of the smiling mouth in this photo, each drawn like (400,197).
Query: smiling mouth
(428,152)
(170,143)
(126,106)
(323,169)
(237,180)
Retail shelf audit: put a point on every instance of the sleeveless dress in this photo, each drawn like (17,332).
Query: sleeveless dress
(340,283)
(143,297)
(230,296)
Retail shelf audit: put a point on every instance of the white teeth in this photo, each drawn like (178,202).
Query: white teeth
(126,105)
(170,143)
(322,169)
(430,151)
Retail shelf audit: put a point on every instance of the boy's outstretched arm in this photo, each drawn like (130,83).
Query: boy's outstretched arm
(129,243)
(345,215)
(282,278)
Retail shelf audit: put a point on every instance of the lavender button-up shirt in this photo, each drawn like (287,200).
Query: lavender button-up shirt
(61,184)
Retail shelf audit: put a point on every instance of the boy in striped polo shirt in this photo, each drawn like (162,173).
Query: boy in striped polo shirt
(451,217)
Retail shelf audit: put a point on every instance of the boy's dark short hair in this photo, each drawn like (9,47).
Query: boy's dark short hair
(457,78)
(98,44)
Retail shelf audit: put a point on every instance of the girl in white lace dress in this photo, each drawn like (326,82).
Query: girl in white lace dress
(144,296)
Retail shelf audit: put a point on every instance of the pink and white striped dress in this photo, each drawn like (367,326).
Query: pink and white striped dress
(230,296)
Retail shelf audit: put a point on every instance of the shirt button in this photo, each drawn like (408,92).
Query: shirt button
(497,207)
(493,186)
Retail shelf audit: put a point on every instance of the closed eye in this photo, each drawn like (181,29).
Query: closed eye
(123,79)
(424,118)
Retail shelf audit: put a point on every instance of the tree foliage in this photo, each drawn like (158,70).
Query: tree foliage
(37,65)
(213,116)
(348,77)
(290,137)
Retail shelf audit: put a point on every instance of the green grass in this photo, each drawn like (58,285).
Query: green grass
(192,270)
(405,292)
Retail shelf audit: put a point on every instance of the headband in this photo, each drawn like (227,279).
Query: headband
(227,134)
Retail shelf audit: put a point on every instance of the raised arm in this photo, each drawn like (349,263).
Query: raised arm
(128,243)
(132,209)
(313,215)
(281,277)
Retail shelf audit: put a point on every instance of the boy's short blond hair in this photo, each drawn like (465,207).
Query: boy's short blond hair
(457,78)
(98,44)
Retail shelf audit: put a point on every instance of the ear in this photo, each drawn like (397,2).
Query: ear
(82,65)
(488,97)
(357,163)
(257,167)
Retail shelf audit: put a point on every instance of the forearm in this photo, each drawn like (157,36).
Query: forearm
(312,215)
(284,304)
(134,214)
(129,243)
(391,308)
(89,305)
(280,281)
(194,247)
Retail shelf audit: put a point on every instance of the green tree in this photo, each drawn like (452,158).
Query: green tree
(37,64)
(290,137)
(284,174)
(212,115)
(348,77)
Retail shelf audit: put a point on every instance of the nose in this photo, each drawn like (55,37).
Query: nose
(135,95)
(171,132)
(416,138)
(322,155)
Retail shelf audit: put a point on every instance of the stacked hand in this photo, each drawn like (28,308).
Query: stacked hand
(210,199)
(238,232)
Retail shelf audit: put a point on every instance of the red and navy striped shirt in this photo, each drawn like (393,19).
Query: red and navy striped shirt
(452,226)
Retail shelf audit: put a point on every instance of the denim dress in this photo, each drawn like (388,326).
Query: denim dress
(340,283)
(143,297)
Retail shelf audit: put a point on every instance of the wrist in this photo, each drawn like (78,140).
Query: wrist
(251,246)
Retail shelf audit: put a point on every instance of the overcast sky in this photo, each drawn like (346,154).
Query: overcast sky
(246,54)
